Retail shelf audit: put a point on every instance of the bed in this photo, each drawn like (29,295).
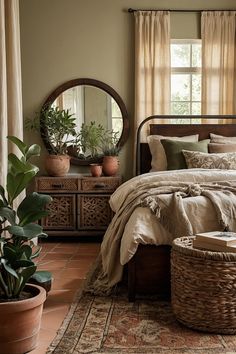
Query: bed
(141,275)
(135,240)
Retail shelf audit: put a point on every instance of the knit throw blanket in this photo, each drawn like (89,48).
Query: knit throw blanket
(167,203)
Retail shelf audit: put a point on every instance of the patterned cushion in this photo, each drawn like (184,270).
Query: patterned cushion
(159,161)
(194,159)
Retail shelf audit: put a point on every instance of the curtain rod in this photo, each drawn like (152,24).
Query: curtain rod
(174,10)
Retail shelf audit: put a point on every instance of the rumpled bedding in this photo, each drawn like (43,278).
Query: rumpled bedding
(205,200)
(143,226)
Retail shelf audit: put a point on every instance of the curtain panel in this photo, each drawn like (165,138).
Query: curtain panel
(218,62)
(11,120)
(152,64)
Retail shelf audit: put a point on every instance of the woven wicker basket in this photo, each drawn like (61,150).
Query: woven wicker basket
(203,287)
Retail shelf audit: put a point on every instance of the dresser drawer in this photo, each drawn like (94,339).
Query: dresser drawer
(57,183)
(100,184)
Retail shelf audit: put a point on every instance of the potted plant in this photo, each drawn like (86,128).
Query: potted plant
(110,149)
(20,303)
(60,132)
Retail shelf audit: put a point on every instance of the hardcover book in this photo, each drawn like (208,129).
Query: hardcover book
(223,238)
(213,246)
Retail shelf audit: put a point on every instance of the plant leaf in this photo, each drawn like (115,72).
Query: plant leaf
(16,184)
(9,214)
(42,276)
(32,208)
(2,193)
(9,269)
(33,150)
(19,143)
(26,232)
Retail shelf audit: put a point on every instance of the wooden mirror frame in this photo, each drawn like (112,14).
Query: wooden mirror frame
(91,82)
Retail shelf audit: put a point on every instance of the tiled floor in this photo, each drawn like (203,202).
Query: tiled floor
(69,264)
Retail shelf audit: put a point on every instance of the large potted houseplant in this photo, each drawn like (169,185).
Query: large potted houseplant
(110,149)
(60,130)
(20,303)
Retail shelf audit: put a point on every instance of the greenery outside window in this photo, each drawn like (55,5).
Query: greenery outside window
(185,78)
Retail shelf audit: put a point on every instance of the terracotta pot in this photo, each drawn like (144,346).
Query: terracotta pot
(57,165)
(110,165)
(20,322)
(95,169)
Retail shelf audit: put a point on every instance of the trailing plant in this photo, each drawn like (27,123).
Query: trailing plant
(57,125)
(18,225)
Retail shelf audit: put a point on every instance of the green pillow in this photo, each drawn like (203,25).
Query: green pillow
(173,150)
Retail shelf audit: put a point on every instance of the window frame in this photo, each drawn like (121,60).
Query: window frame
(188,70)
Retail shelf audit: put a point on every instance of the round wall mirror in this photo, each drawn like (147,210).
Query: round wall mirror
(89,101)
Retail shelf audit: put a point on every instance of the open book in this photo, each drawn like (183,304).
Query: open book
(223,238)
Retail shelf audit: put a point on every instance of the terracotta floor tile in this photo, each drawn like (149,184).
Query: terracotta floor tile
(75,273)
(54,256)
(63,296)
(69,263)
(53,319)
(66,283)
(52,265)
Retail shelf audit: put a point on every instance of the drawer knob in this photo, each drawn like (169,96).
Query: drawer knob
(57,185)
(100,185)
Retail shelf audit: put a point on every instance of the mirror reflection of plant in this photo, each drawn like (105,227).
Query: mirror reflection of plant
(90,137)
(18,226)
(109,143)
(60,127)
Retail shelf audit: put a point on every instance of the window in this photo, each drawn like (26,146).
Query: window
(186,77)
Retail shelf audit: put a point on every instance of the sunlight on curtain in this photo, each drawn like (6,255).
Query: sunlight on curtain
(11,120)
(218,62)
(152,64)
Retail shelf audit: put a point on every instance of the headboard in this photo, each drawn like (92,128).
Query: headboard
(143,155)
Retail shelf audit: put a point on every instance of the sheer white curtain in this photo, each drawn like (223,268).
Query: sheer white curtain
(152,64)
(218,62)
(11,121)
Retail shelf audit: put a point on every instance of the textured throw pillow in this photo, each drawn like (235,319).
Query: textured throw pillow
(159,162)
(173,150)
(221,148)
(220,139)
(226,161)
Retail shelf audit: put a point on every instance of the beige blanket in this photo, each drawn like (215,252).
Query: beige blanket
(166,201)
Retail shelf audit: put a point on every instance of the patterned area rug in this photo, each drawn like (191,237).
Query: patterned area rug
(112,325)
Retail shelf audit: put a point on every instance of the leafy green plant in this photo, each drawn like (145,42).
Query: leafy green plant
(90,138)
(109,143)
(18,226)
(58,127)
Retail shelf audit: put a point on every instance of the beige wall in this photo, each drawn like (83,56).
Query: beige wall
(67,39)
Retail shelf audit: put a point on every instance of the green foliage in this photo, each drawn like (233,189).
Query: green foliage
(110,143)
(60,127)
(90,137)
(17,226)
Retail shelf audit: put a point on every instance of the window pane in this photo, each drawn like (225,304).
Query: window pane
(196,55)
(196,87)
(117,125)
(180,55)
(196,108)
(116,112)
(180,108)
(180,87)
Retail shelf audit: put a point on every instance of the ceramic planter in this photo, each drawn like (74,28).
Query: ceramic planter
(95,169)
(20,322)
(110,165)
(57,165)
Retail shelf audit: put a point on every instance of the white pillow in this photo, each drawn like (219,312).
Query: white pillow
(220,139)
(159,161)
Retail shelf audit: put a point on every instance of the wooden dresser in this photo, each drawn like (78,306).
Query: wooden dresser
(80,204)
